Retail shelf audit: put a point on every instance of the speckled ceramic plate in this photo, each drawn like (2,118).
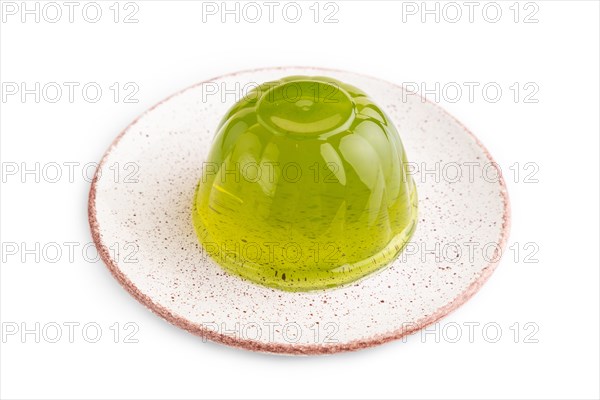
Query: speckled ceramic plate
(141,224)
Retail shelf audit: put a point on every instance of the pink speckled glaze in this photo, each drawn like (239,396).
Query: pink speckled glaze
(173,278)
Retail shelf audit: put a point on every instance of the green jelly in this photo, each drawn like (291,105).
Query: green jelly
(306,187)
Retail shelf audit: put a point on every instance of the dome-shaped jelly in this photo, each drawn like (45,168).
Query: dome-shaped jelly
(305,187)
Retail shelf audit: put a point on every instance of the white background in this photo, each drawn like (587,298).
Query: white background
(170,48)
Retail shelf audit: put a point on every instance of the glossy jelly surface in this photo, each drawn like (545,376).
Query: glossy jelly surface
(306,187)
